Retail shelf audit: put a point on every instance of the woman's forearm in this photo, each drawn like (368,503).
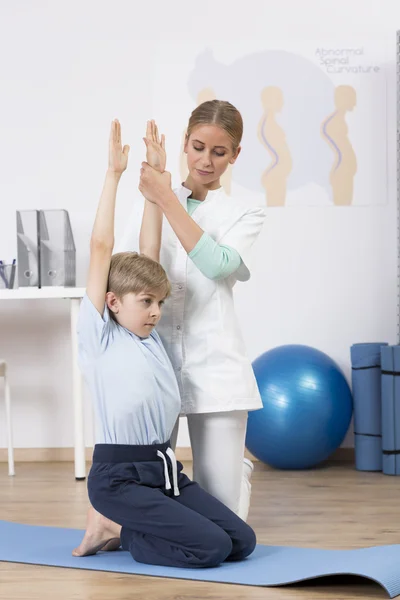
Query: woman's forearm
(186,230)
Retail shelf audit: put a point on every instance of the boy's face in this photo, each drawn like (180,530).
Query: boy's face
(139,313)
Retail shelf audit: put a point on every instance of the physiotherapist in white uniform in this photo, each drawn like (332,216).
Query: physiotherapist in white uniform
(206,240)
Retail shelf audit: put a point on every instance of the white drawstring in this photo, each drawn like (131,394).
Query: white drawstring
(174,464)
(166,475)
(172,457)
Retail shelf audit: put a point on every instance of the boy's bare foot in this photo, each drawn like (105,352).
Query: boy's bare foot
(100,534)
(113,544)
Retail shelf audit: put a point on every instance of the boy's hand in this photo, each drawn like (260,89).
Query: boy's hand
(155,148)
(117,156)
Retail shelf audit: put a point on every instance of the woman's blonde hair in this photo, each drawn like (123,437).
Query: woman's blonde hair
(221,113)
(133,272)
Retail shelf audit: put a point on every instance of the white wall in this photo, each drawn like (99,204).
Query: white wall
(325,277)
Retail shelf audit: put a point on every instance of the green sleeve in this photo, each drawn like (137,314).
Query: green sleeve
(215,261)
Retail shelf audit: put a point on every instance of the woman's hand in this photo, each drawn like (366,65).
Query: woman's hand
(154,186)
(155,147)
(117,156)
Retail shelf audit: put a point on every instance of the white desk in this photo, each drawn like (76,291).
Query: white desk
(74,295)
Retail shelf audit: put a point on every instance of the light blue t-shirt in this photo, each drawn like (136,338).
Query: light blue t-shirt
(131,380)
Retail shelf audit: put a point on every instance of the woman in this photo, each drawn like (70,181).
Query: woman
(206,239)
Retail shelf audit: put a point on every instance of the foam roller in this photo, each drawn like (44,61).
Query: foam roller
(390,365)
(366,384)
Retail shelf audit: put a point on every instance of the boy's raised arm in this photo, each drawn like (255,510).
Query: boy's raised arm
(150,232)
(102,240)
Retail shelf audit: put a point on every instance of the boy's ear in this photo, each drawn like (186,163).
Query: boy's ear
(113,302)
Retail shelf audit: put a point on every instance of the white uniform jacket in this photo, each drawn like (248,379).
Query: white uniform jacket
(199,327)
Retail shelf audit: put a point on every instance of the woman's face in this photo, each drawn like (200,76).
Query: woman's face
(209,152)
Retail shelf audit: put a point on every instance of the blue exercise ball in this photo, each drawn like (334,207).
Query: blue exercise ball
(307,408)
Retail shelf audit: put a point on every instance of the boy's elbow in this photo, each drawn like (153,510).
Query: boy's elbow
(101,245)
(152,252)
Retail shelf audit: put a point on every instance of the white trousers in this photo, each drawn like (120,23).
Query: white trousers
(218,443)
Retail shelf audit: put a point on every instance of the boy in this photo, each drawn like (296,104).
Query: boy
(142,500)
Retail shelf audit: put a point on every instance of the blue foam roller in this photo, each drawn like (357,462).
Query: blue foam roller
(390,365)
(366,384)
(389,465)
(368,452)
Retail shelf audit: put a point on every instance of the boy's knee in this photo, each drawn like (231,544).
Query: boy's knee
(244,543)
(249,541)
(217,549)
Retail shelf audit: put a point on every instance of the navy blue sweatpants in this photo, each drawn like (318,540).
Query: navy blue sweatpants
(127,484)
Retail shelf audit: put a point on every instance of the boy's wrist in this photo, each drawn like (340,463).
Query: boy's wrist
(116,175)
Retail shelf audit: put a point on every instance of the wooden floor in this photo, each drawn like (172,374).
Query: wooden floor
(332,507)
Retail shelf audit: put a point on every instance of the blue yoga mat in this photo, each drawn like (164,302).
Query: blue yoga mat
(268,565)
(366,384)
(390,364)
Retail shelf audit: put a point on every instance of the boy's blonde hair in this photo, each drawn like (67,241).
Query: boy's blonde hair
(133,272)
